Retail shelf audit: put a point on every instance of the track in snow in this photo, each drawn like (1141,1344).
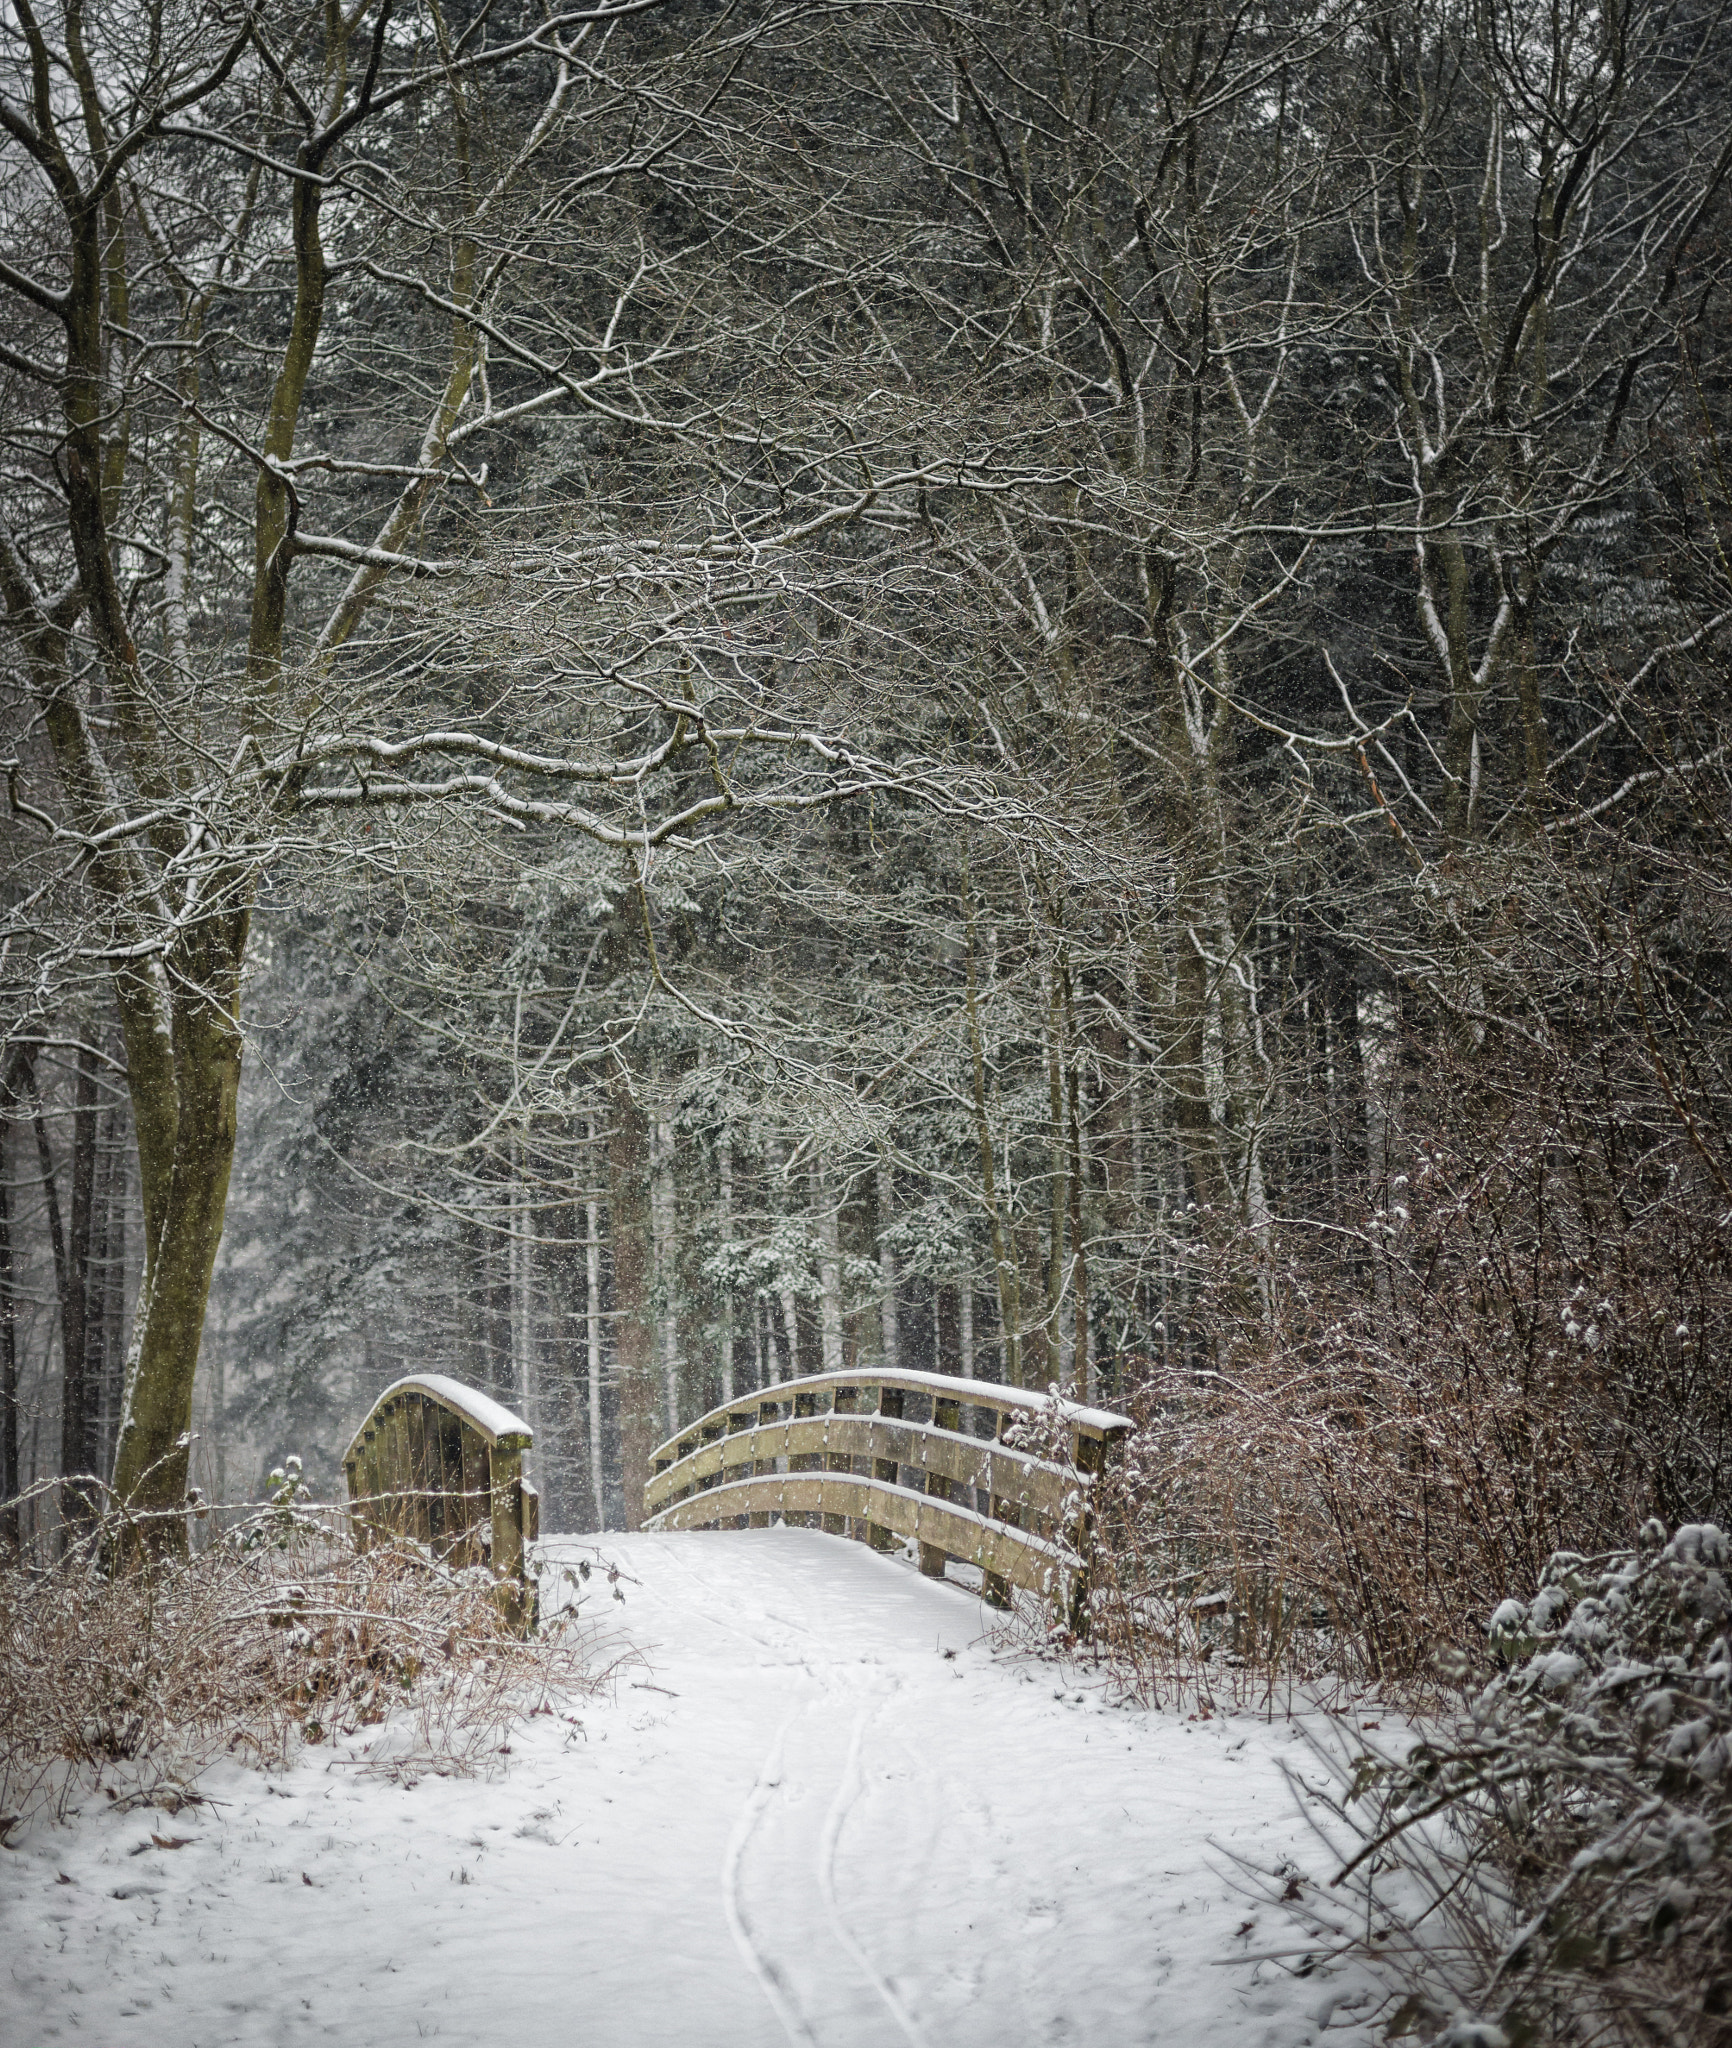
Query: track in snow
(837,1821)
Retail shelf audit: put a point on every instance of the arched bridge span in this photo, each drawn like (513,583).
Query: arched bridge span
(967,1469)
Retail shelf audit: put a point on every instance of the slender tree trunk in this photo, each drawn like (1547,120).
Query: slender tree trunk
(829,1277)
(1057,1185)
(888,1320)
(592,1327)
(725,1219)
(1376,1021)
(520,1247)
(9,1486)
(633,1307)
(71,1317)
(78,1392)
(114,1292)
(99,1268)
(1003,1264)
(791,1331)
(663,1223)
(1082,1372)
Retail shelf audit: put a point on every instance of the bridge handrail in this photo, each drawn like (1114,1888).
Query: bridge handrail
(491,1419)
(442,1463)
(776,1450)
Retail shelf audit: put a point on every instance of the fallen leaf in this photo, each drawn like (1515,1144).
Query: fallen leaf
(171,1841)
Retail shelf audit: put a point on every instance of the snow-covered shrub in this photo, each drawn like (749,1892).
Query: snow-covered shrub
(1572,1828)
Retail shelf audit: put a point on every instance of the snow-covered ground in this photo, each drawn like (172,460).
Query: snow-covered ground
(820,1810)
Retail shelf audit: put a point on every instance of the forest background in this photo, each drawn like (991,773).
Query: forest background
(698,692)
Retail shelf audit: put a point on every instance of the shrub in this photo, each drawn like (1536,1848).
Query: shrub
(278,1635)
(1569,1832)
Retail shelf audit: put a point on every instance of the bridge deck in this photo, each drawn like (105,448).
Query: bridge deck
(822,1813)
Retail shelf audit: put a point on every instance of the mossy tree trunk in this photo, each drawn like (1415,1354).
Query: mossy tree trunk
(176,891)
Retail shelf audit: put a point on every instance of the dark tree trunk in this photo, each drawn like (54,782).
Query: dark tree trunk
(8,1355)
(633,1318)
(78,1399)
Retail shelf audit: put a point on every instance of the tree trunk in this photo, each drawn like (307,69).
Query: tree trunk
(1003,1264)
(79,1387)
(1081,1371)
(633,1308)
(791,1331)
(829,1277)
(1376,1019)
(98,1279)
(725,1207)
(114,1291)
(521,1254)
(1057,1177)
(592,1329)
(888,1319)
(150,1468)
(664,1221)
(8,1355)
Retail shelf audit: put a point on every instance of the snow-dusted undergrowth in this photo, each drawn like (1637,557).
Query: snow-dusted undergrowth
(277,1638)
(1554,1864)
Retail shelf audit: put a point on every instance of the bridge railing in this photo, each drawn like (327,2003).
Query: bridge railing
(442,1464)
(883,1455)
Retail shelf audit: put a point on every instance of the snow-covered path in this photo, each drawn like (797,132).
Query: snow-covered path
(821,1811)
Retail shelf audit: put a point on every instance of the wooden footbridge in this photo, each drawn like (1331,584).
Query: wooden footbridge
(968,1470)
(964,1470)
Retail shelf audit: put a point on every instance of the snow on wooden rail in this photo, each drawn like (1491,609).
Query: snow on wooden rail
(443,1464)
(881,1455)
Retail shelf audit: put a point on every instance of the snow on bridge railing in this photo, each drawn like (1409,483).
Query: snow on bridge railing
(442,1464)
(882,1455)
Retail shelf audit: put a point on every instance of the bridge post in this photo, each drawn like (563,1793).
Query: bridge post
(441,1465)
(505,1475)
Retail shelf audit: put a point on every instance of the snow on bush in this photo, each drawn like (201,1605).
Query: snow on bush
(1572,1828)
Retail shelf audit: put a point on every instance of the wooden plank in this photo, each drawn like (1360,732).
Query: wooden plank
(505,1468)
(1039,1491)
(477,1499)
(390,1475)
(1098,1426)
(419,1521)
(1012,1554)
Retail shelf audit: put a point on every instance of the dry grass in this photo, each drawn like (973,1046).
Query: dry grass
(279,1635)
